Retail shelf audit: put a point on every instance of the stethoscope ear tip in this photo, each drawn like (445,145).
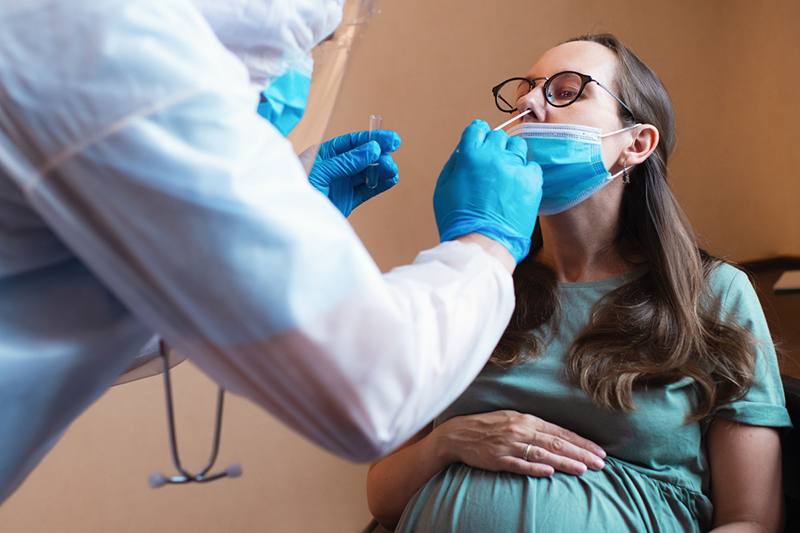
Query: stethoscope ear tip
(234,470)
(157,480)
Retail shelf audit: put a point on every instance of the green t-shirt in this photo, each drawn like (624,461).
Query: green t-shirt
(656,476)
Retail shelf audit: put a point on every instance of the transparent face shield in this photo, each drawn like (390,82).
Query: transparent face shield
(330,64)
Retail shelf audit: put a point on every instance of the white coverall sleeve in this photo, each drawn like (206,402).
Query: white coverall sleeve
(139,145)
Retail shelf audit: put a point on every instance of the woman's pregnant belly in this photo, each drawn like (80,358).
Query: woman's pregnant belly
(617,499)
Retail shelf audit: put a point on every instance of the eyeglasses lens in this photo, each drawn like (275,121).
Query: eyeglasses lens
(563,88)
(510,92)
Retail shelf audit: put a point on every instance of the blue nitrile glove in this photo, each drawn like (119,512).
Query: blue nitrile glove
(338,170)
(488,186)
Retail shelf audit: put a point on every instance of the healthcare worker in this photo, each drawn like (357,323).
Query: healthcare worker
(141,192)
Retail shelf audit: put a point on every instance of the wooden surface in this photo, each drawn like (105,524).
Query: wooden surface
(782,310)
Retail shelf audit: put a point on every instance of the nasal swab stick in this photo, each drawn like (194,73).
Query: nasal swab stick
(509,121)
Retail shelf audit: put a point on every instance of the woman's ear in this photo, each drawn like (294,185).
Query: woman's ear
(643,144)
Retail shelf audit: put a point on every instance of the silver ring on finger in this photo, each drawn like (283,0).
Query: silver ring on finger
(525,453)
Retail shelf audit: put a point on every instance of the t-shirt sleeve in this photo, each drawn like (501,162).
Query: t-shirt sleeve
(764,404)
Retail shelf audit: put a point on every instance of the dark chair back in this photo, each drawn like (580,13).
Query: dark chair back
(791,455)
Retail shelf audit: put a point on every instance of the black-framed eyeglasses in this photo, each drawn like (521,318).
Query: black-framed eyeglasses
(560,90)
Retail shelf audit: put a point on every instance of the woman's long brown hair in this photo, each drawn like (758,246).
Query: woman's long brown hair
(657,328)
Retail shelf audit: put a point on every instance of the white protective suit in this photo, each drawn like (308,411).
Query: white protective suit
(140,192)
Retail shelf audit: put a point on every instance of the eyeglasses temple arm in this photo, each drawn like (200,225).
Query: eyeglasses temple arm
(614,95)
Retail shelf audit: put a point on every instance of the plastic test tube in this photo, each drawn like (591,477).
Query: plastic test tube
(372,171)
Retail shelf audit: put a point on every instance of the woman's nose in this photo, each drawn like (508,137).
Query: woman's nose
(533,101)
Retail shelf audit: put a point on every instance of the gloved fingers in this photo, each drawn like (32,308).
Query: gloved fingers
(388,140)
(518,147)
(387,178)
(535,174)
(384,184)
(497,139)
(345,143)
(352,162)
(475,133)
(362,193)
(387,168)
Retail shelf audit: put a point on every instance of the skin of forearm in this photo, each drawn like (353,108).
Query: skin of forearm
(741,527)
(491,247)
(393,481)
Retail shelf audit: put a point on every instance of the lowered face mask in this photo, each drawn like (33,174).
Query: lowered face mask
(571,158)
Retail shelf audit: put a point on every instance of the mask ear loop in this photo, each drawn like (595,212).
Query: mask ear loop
(625,177)
(620,131)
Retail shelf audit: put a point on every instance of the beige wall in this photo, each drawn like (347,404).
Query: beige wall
(96,478)
(731,67)
(733,70)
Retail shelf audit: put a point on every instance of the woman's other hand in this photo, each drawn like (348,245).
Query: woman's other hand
(514,442)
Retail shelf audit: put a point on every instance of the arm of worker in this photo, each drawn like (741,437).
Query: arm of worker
(495,441)
(746,485)
(156,172)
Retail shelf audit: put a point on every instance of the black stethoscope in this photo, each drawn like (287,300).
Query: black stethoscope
(159,480)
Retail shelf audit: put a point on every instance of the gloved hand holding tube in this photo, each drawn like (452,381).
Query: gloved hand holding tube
(488,187)
(339,171)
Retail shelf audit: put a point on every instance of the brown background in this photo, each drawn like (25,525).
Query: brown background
(733,70)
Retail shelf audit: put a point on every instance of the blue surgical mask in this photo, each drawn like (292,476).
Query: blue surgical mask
(571,158)
(284,101)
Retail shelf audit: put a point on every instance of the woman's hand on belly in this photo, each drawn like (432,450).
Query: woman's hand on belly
(514,442)
(494,441)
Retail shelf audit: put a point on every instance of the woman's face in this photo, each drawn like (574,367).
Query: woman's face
(595,107)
